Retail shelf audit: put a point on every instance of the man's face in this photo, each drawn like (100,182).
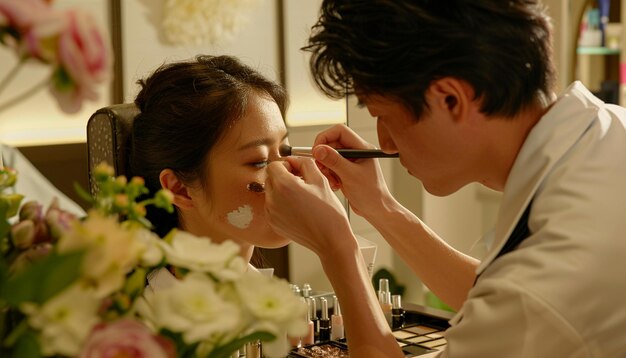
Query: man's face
(434,148)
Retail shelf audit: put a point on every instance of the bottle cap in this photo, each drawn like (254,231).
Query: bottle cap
(312,308)
(324,308)
(336,307)
(396,301)
(383,285)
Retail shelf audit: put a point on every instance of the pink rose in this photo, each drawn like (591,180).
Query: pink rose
(17,18)
(22,14)
(84,59)
(125,338)
(41,39)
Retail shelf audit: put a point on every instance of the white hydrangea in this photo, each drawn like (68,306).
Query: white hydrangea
(201,22)
(274,308)
(199,254)
(193,306)
(63,320)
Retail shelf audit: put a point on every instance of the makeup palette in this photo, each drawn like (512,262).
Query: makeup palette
(423,332)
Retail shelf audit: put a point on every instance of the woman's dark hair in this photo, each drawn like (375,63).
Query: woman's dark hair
(396,48)
(185,108)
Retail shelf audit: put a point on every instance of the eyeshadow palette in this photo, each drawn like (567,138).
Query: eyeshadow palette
(423,332)
(330,349)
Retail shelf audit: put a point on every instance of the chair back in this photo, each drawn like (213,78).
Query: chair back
(108,136)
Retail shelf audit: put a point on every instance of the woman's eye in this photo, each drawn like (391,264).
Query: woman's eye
(262,164)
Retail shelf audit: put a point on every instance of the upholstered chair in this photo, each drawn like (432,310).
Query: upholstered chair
(108,133)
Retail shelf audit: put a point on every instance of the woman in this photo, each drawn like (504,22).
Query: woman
(208,127)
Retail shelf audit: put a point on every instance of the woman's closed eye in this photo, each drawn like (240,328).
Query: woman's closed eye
(260,164)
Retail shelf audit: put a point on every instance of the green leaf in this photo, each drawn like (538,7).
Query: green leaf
(43,279)
(83,193)
(5,227)
(228,349)
(27,346)
(4,274)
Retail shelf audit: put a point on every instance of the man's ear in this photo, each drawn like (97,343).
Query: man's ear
(453,96)
(170,181)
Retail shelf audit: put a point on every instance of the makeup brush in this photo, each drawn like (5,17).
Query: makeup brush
(286,150)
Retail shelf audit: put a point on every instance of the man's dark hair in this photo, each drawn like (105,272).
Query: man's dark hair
(397,48)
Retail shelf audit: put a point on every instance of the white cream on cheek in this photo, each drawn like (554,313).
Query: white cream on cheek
(241,217)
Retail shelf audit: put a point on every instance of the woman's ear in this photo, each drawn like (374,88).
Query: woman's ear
(170,181)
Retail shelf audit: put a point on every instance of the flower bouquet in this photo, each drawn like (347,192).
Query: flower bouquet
(77,287)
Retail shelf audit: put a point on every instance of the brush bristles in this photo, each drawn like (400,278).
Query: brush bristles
(284,150)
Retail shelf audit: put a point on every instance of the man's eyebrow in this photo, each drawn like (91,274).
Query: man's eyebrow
(261,142)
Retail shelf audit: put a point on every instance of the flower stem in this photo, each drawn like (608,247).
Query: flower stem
(11,75)
(21,328)
(19,98)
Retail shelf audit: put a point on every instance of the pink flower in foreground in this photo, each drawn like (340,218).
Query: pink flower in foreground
(126,338)
(23,13)
(84,59)
(41,39)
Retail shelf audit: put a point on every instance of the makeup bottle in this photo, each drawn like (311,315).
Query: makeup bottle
(295,289)
(253,349)
(397,312)
(384,298)
(324,322)
(314,319)
(296,342)
(336,321)
(309,338)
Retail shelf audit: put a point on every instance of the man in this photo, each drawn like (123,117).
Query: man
(462,90)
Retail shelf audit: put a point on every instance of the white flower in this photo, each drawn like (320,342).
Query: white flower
(197,22)
(194,307)
(112,251)
(152,254)
(198,253)
(275,309)
(64,321)
(272,300)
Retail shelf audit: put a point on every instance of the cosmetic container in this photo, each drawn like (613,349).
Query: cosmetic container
(324,322)
(309,338)
(306,290)
(384,298)
(397,312)
(296,342)
(314,319)
(253,349)
(295,289)
(336,321)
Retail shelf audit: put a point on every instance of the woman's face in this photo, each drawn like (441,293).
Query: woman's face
(225,207)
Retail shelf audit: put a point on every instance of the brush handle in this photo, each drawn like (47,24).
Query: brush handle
(346,153)
(365,153)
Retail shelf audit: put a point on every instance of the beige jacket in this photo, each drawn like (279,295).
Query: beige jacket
(562,292)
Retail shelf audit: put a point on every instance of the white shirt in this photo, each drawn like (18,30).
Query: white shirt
(562,292)
(163,278)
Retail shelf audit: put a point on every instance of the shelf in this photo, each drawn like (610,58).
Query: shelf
(597,51)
